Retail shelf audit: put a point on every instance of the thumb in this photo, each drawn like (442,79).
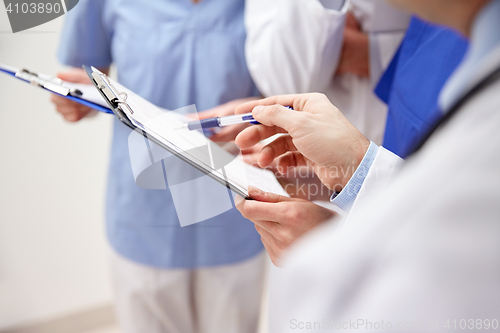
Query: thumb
(276,115)
(75,75)
(259,195)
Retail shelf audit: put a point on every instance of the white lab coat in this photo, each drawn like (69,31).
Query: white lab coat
(293,46)
(424,248)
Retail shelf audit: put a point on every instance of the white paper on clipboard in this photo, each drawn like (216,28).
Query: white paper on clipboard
(165,126)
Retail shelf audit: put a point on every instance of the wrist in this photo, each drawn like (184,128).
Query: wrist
(359,151)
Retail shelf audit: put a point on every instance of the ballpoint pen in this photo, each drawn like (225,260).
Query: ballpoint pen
(221,121)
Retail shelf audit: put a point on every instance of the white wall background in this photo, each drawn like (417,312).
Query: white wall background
(53,252)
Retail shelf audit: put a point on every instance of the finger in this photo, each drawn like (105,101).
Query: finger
(56,99)
(268,238)
(295,101)
(270,227)
(252,150)
(255,210)
(71,114)
(272,245)
(251,155)
(277,115)
(251,159)
(59,100)
(75,75)
(254,134)
(72,117)
(266,207)
(264,211)
(274,257)
(291,160)
(67,109)
(275,149)
(262,196)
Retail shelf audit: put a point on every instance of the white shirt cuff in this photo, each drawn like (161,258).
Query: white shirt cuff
(347,196)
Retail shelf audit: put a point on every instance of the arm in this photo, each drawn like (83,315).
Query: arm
(293,46)
(84,40)
(385,26)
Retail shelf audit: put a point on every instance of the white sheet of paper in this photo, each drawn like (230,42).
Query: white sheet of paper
(164,126)
(89,92)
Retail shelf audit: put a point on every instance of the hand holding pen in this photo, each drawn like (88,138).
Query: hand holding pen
(224,134)
(215,122)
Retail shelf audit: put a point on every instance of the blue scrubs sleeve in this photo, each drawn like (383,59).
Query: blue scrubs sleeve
(84,38)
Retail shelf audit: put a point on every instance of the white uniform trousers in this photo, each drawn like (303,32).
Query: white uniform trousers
(218,299)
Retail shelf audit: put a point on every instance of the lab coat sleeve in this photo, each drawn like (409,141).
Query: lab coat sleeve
(293,46)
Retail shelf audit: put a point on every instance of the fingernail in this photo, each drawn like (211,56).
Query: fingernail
(257,109)
(255,190)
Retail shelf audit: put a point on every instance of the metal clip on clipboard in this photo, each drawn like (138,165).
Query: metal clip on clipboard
(116,100)
(54,85)
(118,103)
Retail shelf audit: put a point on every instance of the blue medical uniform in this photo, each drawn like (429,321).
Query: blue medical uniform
(412,83)
(173,53)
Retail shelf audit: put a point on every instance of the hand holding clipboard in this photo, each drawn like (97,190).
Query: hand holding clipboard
(71,110)
(65,92)
(156,124)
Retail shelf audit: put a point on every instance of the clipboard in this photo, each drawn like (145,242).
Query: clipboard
(71,91)
(108,99)
(117,101)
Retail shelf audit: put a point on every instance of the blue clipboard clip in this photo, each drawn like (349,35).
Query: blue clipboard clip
(56,86)
(53,85)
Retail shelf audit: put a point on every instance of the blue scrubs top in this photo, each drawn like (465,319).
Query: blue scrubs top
(411,85)
(173,53)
